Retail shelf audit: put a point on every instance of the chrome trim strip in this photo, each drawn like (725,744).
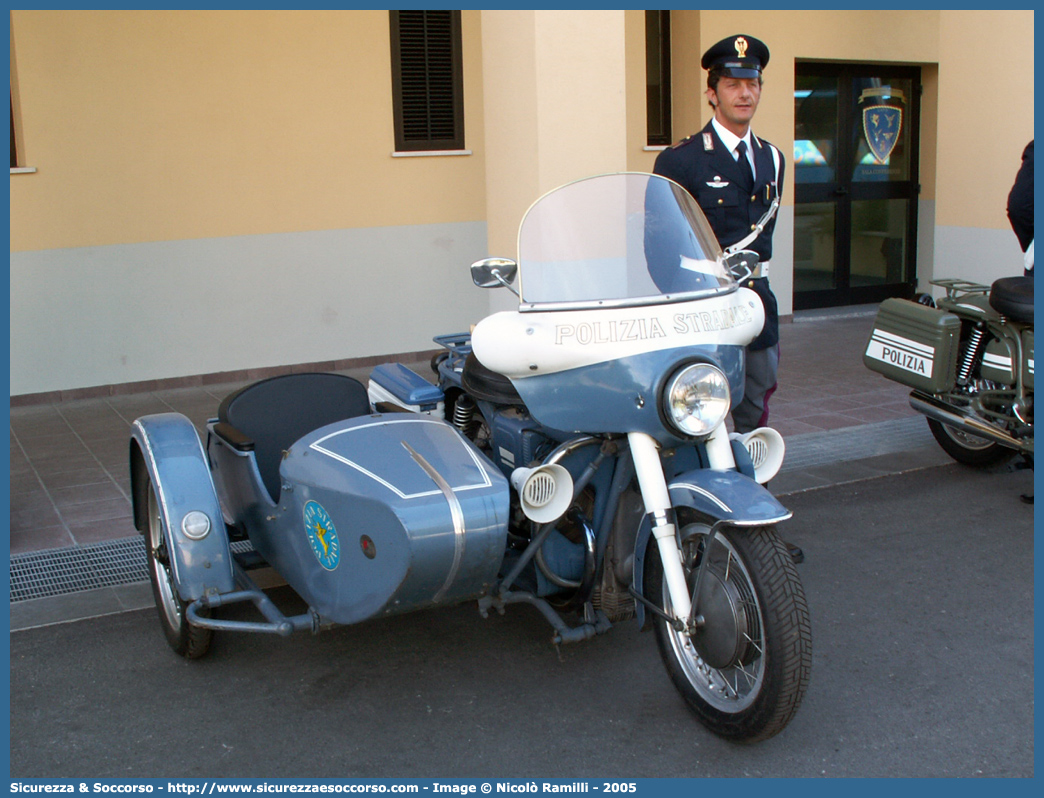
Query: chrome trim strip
(703,492)
(486,482)
(456,513)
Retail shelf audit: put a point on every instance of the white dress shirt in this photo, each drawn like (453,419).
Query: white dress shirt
(731,140)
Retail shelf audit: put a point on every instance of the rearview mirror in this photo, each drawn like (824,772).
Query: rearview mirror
(494,272)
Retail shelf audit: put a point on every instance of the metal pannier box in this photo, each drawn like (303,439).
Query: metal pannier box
(914,345)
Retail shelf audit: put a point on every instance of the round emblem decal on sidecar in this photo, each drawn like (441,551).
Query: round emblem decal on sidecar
(322,535)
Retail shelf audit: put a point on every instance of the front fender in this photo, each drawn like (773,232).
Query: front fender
(726,496)
(165,449)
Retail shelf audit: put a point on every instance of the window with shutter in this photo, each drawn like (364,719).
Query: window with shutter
(658,77)
(427,80)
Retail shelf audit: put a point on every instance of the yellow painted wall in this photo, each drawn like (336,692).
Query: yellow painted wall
(558,88)
(985,113)
(221,129)
(167,125)
(873,36)
(195,124)
(967,140)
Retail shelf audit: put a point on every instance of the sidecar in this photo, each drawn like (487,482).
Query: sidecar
(362,513)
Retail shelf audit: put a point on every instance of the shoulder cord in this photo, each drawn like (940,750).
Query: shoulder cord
(764,220)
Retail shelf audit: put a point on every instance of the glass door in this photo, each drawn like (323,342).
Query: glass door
(855,183)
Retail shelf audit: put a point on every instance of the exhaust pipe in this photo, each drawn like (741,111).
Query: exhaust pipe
(945,414)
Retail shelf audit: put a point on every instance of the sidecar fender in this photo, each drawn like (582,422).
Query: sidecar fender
(728,496)
(165,449)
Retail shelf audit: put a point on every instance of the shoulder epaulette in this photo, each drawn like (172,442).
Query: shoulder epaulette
(683,142)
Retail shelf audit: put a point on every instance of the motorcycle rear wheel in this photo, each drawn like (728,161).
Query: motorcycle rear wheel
(187,639)
(968,449)
(746,670)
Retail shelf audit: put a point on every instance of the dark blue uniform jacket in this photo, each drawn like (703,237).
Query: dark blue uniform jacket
(703,165)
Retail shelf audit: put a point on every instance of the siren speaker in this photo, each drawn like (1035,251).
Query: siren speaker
(545,491)
(766,449)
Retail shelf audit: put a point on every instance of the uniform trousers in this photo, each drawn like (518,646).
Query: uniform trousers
(760,384)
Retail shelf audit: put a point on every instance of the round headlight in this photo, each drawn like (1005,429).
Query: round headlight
(697,399)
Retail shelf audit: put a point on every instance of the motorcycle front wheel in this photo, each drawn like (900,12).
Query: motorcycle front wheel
(747,667)
(187,640)
(969,449)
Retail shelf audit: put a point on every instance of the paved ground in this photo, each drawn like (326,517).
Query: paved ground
(920,587)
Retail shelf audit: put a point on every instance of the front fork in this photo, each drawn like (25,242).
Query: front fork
(656,496)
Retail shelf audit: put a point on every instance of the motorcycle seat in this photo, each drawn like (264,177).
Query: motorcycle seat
(269,416)
(487,385)
(1013,297)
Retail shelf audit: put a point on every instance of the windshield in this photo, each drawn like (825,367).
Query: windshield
(618,239)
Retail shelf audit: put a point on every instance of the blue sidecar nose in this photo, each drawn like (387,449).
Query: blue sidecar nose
(385,514)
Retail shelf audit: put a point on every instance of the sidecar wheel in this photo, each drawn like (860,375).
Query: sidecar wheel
(186,639)
(971,450)
(746,669)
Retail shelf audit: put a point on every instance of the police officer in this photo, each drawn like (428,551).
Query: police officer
(1020,207)
(734,176)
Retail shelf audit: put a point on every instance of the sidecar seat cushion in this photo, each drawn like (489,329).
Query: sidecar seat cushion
(1013,296)
(276,412)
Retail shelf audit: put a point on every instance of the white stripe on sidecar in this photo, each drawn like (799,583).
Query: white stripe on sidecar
(405,496)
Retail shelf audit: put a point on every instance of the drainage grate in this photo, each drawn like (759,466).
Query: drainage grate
(56,572)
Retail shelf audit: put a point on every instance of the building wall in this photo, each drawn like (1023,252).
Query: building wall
(970,149)
(215,190)
(985,121)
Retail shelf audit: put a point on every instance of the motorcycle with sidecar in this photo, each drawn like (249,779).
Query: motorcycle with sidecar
(571,454)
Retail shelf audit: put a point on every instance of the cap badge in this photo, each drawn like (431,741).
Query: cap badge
(741,46)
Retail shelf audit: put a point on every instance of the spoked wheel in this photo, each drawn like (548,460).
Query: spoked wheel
(186,639)
(969,449)
(746,668)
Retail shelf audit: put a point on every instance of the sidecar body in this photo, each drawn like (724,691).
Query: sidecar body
(363,514)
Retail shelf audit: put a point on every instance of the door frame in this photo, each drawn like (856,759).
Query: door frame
(843,191)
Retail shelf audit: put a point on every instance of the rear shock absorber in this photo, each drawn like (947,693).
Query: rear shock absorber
(971,353)
(463,412)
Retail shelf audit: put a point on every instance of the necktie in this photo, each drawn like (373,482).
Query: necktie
(744,164)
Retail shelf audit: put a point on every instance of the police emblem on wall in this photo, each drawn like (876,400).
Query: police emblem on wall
(882,109)
(322,535)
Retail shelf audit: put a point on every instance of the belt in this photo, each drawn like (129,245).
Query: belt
(762,270)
